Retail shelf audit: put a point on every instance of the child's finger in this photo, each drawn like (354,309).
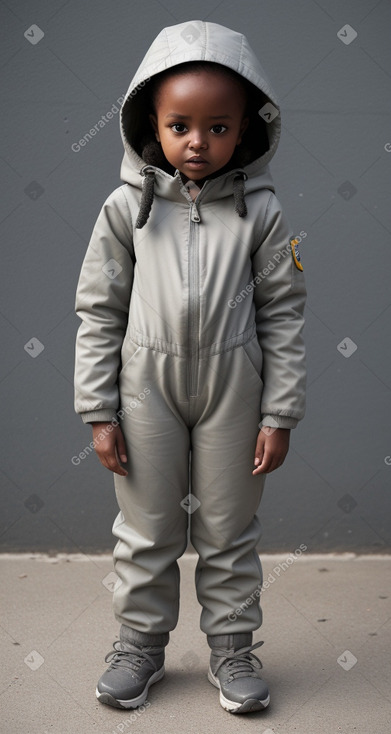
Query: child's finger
(261,469)
(264,457)
(264,466)
(118,468)
(259,450)
(121,446)
(110,460)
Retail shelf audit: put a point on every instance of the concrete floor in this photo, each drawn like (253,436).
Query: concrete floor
(326,657)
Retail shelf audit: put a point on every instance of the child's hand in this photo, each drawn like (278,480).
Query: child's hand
(271,449)
(110,448)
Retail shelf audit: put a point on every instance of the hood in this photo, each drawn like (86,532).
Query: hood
(198,40)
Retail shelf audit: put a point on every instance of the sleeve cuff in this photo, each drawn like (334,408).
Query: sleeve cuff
(278,421)
(99,416)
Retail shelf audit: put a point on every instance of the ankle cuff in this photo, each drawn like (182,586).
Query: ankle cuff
(143,639)
(235,641)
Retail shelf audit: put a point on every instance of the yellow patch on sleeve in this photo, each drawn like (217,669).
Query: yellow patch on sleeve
(295,253)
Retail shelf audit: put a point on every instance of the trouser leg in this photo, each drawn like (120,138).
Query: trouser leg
(151,526)
(225,529)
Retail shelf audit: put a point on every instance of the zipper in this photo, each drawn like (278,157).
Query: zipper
(194,303)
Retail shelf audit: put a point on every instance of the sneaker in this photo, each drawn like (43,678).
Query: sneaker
(236,674)
(133,669)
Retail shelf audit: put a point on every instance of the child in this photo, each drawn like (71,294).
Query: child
(191,297)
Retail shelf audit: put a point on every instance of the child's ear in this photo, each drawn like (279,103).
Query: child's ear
(243,128)
(153,120)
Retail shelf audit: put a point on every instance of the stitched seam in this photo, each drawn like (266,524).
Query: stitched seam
(209,349)
(131,222)
(266,215)
(127,206)
(252,335)
(205,42)
(241,52)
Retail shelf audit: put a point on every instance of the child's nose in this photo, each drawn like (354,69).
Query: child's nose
(197,140)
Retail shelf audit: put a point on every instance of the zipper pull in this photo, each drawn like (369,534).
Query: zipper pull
(195,217)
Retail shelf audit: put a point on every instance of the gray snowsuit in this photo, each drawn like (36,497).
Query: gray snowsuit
(191,337)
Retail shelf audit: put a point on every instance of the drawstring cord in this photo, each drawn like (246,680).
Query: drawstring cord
(148,192)
(147,196)
(239,198)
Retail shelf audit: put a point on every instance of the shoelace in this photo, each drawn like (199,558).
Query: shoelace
(240,663)
(131,658)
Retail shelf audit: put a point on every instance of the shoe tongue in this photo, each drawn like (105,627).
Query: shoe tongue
(239,667)
(151,650)
(141,649)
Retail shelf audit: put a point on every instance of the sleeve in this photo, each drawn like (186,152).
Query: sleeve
(279,296)
(102,303)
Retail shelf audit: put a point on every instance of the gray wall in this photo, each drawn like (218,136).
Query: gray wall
(332,176)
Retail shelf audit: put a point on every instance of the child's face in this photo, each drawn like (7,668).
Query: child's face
(199,121)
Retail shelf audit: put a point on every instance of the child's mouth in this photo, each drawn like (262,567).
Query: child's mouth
(196,162)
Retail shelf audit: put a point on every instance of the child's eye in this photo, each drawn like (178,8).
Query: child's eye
(218,129)
(177,125)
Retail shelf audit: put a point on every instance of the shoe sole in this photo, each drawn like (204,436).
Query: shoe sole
(234,707)
(131,703)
